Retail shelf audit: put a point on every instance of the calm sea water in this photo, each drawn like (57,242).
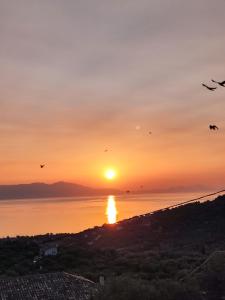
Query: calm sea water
(70,215)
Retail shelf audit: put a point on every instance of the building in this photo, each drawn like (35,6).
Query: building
(57,286)
(49,250)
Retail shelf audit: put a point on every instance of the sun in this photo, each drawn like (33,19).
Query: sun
(110,174)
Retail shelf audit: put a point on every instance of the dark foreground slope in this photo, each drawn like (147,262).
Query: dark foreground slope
(197,226)
(179,249)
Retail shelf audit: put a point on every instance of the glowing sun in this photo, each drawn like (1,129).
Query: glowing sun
(110,174)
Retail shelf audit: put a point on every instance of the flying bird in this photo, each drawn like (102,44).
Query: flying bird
(209,88)
(149,132)
(213,127)
(42,166)
(221,83)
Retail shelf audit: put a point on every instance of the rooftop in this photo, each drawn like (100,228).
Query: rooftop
(50,286)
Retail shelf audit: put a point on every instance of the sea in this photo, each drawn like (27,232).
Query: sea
(75,214)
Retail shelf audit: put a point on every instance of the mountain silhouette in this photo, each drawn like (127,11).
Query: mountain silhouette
(43,190)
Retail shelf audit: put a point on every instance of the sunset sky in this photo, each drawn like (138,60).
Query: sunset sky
(79,77)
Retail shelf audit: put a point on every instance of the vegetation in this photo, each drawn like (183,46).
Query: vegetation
(130,289)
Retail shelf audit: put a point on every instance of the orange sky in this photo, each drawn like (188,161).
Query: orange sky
(78,77)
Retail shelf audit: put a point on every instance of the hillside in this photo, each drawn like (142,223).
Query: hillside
(189,225)
(43,190)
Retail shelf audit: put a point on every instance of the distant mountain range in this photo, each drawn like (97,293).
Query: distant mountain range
(43,190)
(66,189)
(177,189)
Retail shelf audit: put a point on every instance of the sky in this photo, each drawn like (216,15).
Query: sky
(79,77)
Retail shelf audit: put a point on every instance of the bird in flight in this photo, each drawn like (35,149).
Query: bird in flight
(42,166)
(213,127)
(209,88)
(106,150)
(221,83)
(149,132)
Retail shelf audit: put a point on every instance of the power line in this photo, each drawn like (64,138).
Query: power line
(188,201)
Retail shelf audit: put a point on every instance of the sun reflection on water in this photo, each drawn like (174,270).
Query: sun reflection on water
(111,210)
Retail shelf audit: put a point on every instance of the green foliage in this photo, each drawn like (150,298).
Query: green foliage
(212,277)
(123,288)
(16,256)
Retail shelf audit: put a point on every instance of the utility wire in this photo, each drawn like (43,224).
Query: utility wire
(188,201)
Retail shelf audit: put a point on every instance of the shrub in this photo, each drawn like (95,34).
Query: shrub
(122,288)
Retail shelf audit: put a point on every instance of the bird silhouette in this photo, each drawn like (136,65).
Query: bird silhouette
(209,88)
(149,132)
(213,127)
(42,166)
(221,83)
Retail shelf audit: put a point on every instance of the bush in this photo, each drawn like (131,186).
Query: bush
(122,288)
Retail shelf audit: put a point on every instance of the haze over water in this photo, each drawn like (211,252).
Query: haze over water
(71,215)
